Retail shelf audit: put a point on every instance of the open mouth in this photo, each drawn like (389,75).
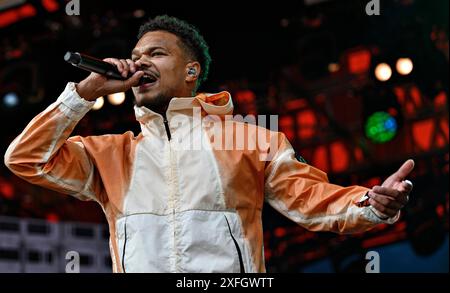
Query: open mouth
(147,81)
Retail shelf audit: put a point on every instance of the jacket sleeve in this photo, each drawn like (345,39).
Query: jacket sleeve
(303,194)
(43,153)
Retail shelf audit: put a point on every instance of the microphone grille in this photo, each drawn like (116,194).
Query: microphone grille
(73,58)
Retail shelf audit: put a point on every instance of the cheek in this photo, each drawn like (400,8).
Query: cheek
(172,78)
(171,70)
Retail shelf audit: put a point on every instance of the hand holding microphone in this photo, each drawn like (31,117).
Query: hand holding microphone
(108,76)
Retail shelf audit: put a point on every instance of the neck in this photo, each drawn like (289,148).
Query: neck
(161,104)
(161,109)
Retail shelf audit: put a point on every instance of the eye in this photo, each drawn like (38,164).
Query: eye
(158,53)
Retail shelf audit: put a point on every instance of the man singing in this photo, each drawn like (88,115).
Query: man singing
(182,209)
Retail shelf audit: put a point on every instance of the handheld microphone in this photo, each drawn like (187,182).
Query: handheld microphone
(93,64)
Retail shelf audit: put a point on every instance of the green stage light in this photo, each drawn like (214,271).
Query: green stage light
(381,127)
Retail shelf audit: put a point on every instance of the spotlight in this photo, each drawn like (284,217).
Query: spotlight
(404,66)
(333,67)
(116,98)
(98,103)
(11,100)
(381,127)
(383,72)
(139,13)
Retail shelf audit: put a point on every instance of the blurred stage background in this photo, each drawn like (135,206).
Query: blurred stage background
(315,63)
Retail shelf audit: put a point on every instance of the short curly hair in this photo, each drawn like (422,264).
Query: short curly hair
(192,42)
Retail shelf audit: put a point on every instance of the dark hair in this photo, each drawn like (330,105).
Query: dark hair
(191,41)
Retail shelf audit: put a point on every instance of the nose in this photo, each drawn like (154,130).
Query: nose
(138,63)
(142,65)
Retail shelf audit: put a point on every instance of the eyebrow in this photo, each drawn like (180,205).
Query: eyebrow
(147,49)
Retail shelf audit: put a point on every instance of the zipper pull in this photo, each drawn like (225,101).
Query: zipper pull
(166,125)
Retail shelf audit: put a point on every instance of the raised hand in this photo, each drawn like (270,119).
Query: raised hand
(96,85)
(393,194)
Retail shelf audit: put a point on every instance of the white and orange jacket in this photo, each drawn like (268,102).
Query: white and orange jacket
(171,209)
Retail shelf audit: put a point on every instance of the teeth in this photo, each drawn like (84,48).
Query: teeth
(152,78)
(149,78)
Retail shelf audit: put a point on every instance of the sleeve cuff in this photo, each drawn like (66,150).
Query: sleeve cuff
(72,100)
(372,215)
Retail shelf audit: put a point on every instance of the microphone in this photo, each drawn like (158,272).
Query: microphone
(93,64)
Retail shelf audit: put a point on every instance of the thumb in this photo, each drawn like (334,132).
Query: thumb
(134,79)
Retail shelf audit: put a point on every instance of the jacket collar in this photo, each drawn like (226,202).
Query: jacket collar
(214,104)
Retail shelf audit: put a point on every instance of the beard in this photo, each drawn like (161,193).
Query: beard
(156,103)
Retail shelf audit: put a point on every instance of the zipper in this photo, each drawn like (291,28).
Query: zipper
(172,193)
(241,262)
(166,125)
(124,246)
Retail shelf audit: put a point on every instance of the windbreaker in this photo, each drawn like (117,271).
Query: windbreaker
(186,194)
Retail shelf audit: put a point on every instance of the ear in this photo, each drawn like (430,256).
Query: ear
(192,71)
